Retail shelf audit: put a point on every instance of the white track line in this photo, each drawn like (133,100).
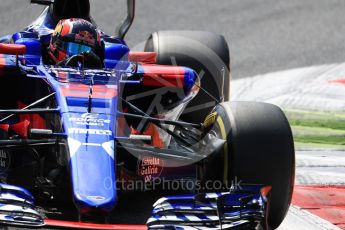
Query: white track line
(299,219)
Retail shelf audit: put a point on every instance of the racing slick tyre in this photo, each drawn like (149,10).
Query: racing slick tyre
(259,149)
(204,52)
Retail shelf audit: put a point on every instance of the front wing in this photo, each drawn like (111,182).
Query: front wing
(245,207)
(242,208)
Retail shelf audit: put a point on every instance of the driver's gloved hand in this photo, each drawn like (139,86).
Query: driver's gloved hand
(91,60)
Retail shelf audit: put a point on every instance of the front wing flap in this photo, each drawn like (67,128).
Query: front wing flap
(17,207)
(244,208)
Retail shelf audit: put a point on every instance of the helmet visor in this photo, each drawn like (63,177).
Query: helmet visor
(72,48)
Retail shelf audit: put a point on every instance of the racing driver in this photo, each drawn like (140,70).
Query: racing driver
(75,42)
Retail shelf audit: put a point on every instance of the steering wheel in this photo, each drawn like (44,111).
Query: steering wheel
(87,59)
(74,60)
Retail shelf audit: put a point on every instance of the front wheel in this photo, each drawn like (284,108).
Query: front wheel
(259,149)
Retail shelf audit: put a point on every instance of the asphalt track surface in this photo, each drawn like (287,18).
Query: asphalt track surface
(264,36)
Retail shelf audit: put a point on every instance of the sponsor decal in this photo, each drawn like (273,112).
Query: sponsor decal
(96,198)
(91,119)
(90,131)
(210,119)
(150,167)
(4,161)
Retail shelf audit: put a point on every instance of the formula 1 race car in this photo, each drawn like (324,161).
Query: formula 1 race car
(78,138)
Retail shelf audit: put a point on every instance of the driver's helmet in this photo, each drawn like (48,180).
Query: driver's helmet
(71,37)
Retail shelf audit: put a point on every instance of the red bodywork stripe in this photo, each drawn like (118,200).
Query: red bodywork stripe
(143,57)
(163,69)
(80,225)
(13,49)
(80,90)
(163,76)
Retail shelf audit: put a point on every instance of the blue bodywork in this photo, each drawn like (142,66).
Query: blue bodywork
(91,144)
(87,100)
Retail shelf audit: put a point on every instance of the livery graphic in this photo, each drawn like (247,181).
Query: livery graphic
(86,37)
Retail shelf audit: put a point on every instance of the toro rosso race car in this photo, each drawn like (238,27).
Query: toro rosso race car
(77,137)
